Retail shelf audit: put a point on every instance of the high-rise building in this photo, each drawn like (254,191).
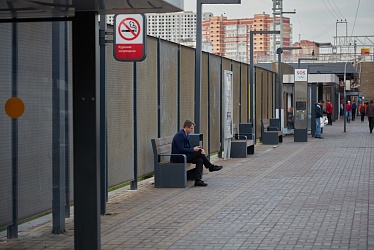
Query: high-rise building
(231,37)
(179,27)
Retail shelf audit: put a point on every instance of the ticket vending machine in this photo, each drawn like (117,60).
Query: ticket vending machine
(301,107)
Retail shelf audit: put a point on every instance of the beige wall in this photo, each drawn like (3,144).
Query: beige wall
(367,80)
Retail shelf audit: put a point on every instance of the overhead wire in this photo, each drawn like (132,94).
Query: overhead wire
(332,8)
(338,9)
(335,17)
(301,28)
(325,31)
(354,23)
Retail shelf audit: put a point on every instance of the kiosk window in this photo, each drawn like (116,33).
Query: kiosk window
(300,105)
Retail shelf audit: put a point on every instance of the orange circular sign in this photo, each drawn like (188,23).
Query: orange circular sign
(14,107)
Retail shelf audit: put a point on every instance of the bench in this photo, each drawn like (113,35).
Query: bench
(270,132)
(243,143)
(166,173)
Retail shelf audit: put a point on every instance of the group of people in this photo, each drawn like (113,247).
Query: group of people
(364,109)
(368,110)
(351,110)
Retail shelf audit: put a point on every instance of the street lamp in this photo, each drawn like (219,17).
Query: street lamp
(305,59)
(252,68)
(198,56)
(344,99)
(280,82)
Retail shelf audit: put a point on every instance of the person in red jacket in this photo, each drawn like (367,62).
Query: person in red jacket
(362,110)
(370,114)
(329,112)
(348,110)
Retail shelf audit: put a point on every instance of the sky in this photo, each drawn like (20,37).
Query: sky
(315,20)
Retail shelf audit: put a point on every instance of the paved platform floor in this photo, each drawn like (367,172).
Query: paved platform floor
(300,195)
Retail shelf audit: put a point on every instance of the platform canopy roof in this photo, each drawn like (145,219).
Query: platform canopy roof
(26,9)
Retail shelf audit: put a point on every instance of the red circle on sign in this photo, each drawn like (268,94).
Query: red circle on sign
(128,28)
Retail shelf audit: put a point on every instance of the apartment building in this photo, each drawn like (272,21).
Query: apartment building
(179,27)
(309,48)
(231,37)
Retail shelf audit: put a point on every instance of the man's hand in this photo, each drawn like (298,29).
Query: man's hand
(197,148)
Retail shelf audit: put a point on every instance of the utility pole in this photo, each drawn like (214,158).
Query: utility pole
(278,11)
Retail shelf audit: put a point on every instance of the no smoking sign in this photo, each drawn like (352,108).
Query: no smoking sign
(129,38)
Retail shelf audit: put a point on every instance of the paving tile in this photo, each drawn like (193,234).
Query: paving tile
(313,195)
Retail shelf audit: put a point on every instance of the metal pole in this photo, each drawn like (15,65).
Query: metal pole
(198,62)
(280,81)
(252,67)
(198,57)
(12,230)
(344,99)
(279,52)
(103,118)
(251,77)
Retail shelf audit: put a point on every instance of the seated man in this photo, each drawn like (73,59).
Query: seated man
(196,155)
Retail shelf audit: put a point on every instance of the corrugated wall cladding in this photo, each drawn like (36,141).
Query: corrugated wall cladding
(146,116)
(134,116)
(204,96)
(259,90)
(35,126)
(120,120)
(236,92)
(187,86)
(264,97)
(5,125)
(215,102)
(168,88)
(70,108)
(244,94)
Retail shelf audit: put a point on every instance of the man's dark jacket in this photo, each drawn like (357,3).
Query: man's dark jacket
(181,145)
(318,110)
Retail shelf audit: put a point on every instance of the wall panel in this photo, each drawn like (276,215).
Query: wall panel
(5,125)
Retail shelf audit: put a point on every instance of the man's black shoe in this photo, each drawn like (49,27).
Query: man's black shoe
(319,137)
(200,183)
(215,168)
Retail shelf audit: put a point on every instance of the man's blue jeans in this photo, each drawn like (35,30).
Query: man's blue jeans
(318,127)
(348,115)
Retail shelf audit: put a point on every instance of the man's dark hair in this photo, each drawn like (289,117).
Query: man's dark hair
(188,123)
(320,101)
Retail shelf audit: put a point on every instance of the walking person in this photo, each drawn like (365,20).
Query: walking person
(318,114)
(370,114)
(362,110)
(196,155)
(354,109)
(348,110)
(341,108)
(329,112)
